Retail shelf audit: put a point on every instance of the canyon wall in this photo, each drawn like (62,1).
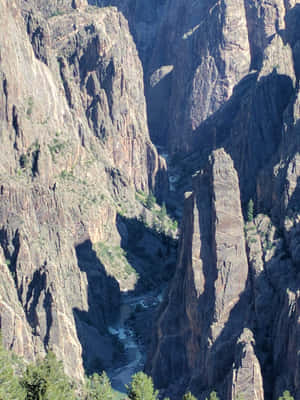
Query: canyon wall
(221,80)
(249,106)
(75,148)
(203,332)
(230,319)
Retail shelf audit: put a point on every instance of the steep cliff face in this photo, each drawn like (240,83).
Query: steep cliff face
(220,75)
(208,306)
(230,320)
(262,358)
(226,75)
(202,51)
(222,84)
(73,131)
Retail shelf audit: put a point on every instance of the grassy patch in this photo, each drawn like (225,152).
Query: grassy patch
(56,13)
(115,261)
(29,107)
(56,147)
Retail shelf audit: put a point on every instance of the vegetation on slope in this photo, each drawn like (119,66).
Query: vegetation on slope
(46,380)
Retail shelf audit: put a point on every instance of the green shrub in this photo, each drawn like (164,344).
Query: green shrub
(189,396)
(24,161)
(250,210)
(56,147)
(29,107)
(151,200)
(213,396)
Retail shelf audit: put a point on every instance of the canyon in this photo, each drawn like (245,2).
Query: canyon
(104,103)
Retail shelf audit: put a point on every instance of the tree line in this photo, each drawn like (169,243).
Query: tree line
(46,380)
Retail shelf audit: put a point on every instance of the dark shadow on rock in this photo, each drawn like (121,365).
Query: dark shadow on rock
(98,346)
(36,287)
(249,127)
(153,255)
(149,251)
(272,343)
(260,308)
(11,252)
(47,304)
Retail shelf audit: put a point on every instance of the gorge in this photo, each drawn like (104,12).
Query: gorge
(149,191)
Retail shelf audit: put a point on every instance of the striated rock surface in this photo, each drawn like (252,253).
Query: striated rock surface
(245,380)
(75,148)
(202,42)
(208,303)
(226,74)
(230,322)
(222,83)
(202,51)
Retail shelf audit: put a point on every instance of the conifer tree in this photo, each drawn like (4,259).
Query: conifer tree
(213,396)
(99,387)
(286,396)
(250,211)
(10,388)
(189,396)
(141,388)
(47,381)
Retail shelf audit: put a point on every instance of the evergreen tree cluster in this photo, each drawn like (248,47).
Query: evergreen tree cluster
(46,380)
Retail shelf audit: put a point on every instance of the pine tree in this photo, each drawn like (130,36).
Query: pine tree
(10,388)
(99,387)
(141,388)
(250,211)
(189,396)
(286,396)
(47,381)
(213,396)
(34,382)
(58,384)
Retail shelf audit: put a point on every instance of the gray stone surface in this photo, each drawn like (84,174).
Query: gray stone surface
(75,147)
(208,303)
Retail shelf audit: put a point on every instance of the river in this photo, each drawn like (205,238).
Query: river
(134,349)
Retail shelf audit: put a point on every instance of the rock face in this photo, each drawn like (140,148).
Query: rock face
(222,89)
(73,130)
(258,125)
(207,307)
(231,319)
(245,380)
(219,75)
(202,51)
(217,34)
